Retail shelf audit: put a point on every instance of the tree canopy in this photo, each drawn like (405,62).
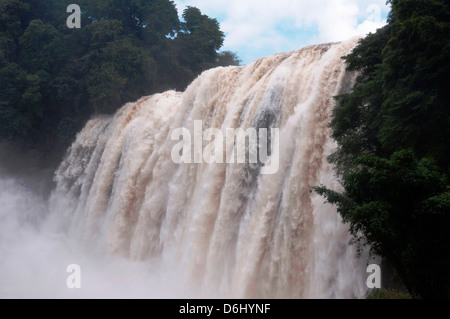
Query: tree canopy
(393,133)
(54,78)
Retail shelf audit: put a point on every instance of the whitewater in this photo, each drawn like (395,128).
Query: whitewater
(141,226)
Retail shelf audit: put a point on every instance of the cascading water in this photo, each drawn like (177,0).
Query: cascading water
(218,230)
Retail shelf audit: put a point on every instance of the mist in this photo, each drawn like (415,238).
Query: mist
(35,255)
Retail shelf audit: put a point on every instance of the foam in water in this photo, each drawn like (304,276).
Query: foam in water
(142,225)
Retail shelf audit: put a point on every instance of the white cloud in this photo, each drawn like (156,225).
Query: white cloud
(255,28)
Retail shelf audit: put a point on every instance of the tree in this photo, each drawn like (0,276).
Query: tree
(199,40)
(357,118)
(392,132)
(137,16)
(53,79)
(402,206)
(415,79)
(226,58)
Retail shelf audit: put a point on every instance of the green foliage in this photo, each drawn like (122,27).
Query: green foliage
(227,58)
(402,206)
(137,16)
(393,131)
(357,119)
(415,74)
(199,40)
(52,78)
(39,45)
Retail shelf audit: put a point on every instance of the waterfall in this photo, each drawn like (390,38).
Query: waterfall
(219,229)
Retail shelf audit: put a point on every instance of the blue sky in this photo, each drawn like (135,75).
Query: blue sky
(258,28)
